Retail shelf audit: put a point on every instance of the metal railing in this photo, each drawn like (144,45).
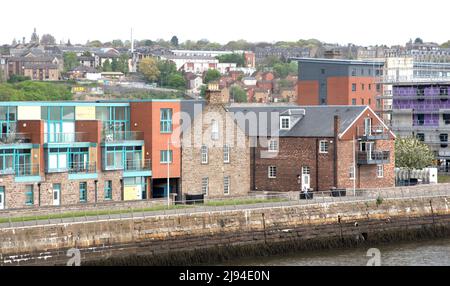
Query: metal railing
(374,157)
(22,170)
(134,210)
(110,137)
(130,165)
(65,137)
(82,167)
(374,132)
(14,138)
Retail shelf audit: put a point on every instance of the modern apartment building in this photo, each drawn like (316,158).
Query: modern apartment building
(422,109)
(338,82)
(61,153)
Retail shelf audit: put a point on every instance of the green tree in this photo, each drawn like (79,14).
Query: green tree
(70,61)
(114,65)
(87,54)
(122,63)
(149,68)
(107,67)
(176,80)
(410,153)
(95,44)
(117,43)
(18,78)
(238,94)
(446,45)
(418,41)
(238,59)
(211,75)
(48,39)
(174,41)
(166,68)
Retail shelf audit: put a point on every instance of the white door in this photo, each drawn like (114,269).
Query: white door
(306,178)
(56,195)
(2,199)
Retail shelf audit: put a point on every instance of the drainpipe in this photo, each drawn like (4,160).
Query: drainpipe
(317,164)
(336,132)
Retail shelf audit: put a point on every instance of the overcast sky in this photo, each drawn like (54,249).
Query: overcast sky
(347,21)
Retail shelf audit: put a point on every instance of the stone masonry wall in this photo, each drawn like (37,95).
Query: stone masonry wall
(163,234)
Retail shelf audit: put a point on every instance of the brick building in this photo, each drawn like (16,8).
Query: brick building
(215,151)
(339,82)
(59,153)
(317,147)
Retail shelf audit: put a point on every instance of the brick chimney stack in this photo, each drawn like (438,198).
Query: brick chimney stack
(214,94)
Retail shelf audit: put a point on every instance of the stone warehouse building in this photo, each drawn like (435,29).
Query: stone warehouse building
(215,151)
(317,147)
(60,153)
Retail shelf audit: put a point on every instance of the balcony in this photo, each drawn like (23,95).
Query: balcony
(21,170)
(378,132)
(82,168)
(130,166)
(117,137)
(373,158)
(14,138)
(65,137)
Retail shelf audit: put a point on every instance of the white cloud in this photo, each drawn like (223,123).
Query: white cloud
(346,21)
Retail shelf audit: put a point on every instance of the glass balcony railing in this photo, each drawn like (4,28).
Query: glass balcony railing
(21,170)
(374,157)
(14,138)
(82,167)
(130,165)
(65,137)
(373,132)
(111,137)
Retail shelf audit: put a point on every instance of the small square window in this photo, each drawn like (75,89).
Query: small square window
(273,145)
(353,101)
(353,86)
(285,123)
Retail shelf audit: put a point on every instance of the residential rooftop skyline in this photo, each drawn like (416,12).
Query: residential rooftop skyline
(288,20)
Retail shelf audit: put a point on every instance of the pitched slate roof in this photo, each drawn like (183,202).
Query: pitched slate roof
(318,121)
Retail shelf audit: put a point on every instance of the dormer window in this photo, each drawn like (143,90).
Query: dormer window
(285,122)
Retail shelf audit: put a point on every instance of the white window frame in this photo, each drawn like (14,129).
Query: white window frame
(351,173)
(226,153)
(204,154)
(282,118)
(380,171)
(205,188)
(323,143)
(214,130)
(273,145)
(269,172)
(226,185)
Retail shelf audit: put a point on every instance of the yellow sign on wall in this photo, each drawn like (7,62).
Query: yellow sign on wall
(132,193)
(85,112)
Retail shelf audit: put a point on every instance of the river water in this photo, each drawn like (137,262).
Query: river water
(423,253)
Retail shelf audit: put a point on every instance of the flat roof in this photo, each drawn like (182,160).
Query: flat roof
(87,103)
(338,61)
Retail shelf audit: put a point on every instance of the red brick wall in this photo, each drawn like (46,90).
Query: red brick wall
(338,91)
(295,153)
(308,92)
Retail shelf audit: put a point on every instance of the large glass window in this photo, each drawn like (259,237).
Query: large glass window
(8,118)
(120,157)
(15,161)
(60,123)
(166,120)
(116,120)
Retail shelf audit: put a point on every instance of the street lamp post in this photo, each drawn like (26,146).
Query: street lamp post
(168,173)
